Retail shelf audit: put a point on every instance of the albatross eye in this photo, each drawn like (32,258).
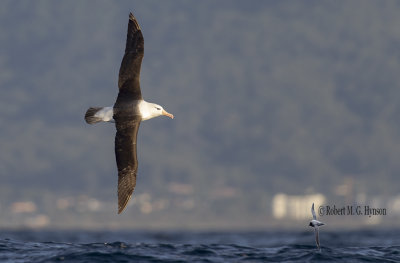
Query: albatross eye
(158,108)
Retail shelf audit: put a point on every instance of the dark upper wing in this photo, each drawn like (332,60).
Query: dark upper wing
(129,73)
(126,156)
(126,119)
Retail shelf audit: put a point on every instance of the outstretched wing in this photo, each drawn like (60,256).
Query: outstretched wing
(129,72)
(313,212)
(125,115)
(126,156)
(316,230)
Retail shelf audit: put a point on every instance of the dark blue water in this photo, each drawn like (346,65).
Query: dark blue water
(76,246)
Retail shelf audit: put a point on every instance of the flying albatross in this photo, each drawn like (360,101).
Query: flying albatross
(315,224)
(128,111)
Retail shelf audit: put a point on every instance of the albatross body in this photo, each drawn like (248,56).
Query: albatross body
(315,224)
(127,113)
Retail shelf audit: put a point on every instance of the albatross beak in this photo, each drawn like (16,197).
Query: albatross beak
(167,114)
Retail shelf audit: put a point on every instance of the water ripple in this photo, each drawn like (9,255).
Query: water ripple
(190,250)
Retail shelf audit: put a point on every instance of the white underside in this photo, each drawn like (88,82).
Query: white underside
(147,111)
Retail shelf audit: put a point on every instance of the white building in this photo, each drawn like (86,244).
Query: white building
(296,207)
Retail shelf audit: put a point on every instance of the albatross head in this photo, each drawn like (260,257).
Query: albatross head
(151,110)
(158,110)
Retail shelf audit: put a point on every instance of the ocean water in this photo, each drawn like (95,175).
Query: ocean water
(83,246)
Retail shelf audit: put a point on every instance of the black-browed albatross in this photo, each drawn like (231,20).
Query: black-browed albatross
(128,111)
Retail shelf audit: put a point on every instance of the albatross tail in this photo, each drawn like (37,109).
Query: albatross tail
(99,114)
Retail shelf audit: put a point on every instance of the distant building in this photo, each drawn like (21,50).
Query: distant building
(394,205)
(296,207)
(37,221)
(23,207)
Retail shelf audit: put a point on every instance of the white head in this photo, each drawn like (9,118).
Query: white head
(151,110)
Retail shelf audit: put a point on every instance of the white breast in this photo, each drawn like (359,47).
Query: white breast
(147,110)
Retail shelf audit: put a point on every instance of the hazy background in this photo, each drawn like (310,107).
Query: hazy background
(297,100)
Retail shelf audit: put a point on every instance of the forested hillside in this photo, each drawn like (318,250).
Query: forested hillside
(268,97)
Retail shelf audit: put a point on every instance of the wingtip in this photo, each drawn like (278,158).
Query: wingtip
(123,202)
(121,209)
(131,16)
(135,22)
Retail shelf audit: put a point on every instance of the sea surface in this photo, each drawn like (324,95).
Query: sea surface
(84,246)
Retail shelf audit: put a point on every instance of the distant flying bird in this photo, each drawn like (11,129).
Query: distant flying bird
(128,111)
(315,224)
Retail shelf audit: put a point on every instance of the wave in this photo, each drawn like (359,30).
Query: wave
(17,251)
